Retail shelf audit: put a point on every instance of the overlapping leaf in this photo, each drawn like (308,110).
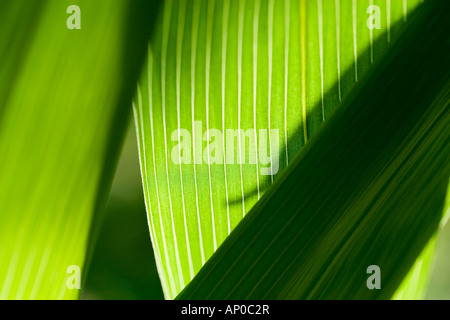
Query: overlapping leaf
(375,200)
(279,66)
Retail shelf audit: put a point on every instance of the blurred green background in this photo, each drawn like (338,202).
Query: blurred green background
(123,266)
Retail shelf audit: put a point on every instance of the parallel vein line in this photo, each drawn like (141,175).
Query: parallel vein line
(139,124)
(195,20)
(405,10)
(319,9)
(371,38)
(166,251)
(209,26)
(240,44)
(270,44)
(338,44)
(164,47)
(255,83)
(355,43)
(286,77)
(303,57)
(181,16)
(388,14)
(226,10)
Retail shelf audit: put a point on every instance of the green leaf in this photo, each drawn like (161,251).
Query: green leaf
(64,105)
(415,284)
(270,65)
(375,200)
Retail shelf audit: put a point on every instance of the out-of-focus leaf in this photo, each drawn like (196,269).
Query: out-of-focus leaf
(415,284)
(64,104)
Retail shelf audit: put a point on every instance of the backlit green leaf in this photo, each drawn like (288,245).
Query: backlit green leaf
(64,103)
(276,66)
(377,199)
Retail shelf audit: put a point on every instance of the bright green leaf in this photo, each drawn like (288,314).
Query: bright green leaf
(375,200)
(64,105)
(279,66)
